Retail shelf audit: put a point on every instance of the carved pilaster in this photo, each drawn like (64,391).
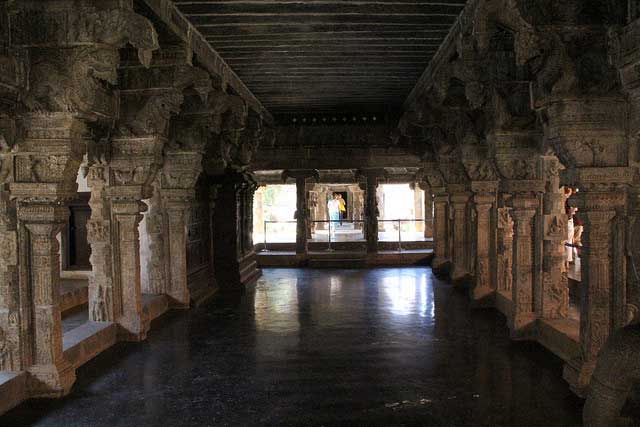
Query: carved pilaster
(101,285)
(133,168)
(235,259)
(51,375)
(371,177)
(505,251)
(302,214)
(441,228)
(523,213)
(554,297)
(485,247)
(603,300)
(459,253)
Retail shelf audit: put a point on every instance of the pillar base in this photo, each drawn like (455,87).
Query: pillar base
(51,381)
(522,326)
(440,264)
(578,373)
(460,276)
(482,296)
(133,330)
(249,271)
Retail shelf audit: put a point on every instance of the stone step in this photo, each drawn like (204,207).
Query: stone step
(87,341)
(13,390)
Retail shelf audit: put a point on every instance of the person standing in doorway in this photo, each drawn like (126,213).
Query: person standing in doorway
(334,211)
(343,208)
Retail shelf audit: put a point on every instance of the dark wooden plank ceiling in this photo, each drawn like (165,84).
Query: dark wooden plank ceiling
(325,56)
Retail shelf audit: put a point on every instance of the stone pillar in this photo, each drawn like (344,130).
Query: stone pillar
(46,164)
(419,206)
(505,251)
(599,203)
(50,374)
(485,248)
(302,206)
(523,212)
(554,297)
(428,210)
(259,208)
(459,200)
(370,187)
(135,162)
(101,291)
(177,192)
(441,228)
(235,263)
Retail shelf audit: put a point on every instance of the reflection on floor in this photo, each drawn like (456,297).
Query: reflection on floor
(389,346)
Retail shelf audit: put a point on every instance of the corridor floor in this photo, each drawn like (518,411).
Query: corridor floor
(389,346)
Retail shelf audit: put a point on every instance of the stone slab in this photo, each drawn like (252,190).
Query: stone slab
(155,305)
(503,303)
(87,341)
(13,390)
(73,293)
(561,337)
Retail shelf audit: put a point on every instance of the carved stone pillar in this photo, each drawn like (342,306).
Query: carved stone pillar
(101,290)
(178,179)
(523,212)
(302,206)
(505,251)
(441,228)
(459,200)
(601,199)
(428,210)
(134,164)
(235,263)
(50,373)
(555,290)
(46,163)
(370,187)
(485,247)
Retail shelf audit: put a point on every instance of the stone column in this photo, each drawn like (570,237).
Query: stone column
(302,206)
(51,374)
(505,251)
(555,289)
(177,192)
(523,212)
(46,164)
(428,210)
(259,220)
(485,249)
(459,199)
(599,203)
(235,265)
(419,206)
(370,188)
(101,291)
(134,164)
(441,228)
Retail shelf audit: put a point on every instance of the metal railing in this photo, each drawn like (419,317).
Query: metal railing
(340,221)
(266,249)
(399,222)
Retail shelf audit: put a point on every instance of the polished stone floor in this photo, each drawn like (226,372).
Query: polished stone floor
(389,346)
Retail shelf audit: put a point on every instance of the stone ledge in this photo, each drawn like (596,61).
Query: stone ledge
(73,293)
(155,305)
(13,389)
(560,336)
(503,303)
(87,341)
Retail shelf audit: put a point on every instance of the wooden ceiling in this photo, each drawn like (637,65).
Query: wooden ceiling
(325,56)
